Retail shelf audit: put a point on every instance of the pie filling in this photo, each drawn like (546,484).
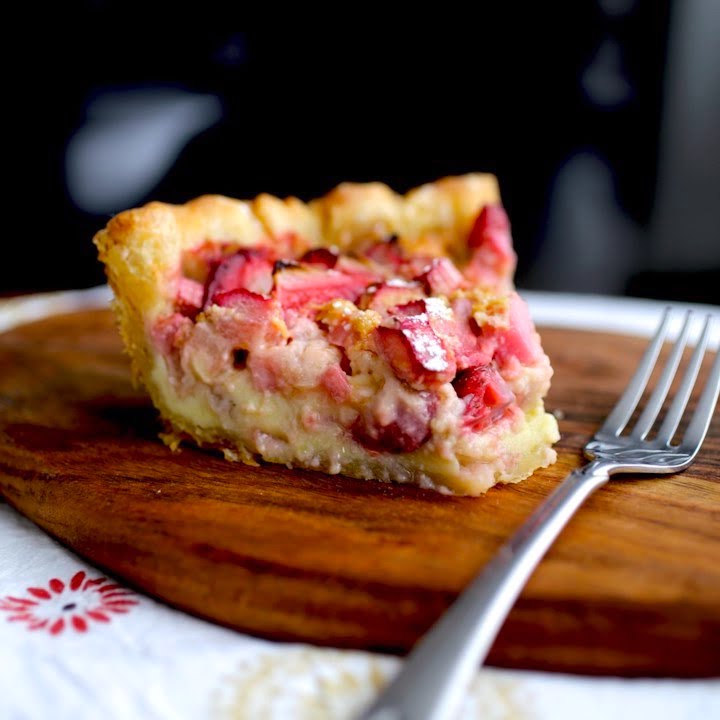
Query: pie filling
(377,362)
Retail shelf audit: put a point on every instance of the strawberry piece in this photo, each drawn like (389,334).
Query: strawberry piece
(305,290)
(409,429)
(493,259)
(248,269)
(486,396)
(413,349)
(440,277)
(390,294)
(320,256)
(189,297)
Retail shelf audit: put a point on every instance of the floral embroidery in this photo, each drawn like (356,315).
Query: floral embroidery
(69,605)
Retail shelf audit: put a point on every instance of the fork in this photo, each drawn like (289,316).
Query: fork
(437,671)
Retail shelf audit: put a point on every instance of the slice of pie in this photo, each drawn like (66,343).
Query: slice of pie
(364,333)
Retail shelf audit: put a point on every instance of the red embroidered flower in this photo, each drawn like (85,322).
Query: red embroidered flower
(70,605)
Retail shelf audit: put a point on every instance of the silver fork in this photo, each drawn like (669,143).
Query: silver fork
(437,671)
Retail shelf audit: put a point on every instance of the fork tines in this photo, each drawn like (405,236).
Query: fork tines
(700,420)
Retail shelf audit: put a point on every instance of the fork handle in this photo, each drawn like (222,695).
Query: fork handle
(435,673)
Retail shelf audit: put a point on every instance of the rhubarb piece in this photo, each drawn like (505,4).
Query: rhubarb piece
(189,299)
(519,340)
(441,277)
(364,333)
(405,431)
(493,259)
(254,318)
(387,253)
(384,296)
(492,226)
(486,396)
(246,269)
(306,290)
(320,256)
(463,334)
(415,352)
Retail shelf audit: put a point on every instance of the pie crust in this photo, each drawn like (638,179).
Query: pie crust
(363,333)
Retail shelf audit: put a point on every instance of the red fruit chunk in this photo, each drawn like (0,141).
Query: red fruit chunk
(486,395)
(252,320)
(170,332)
(448,328)
(335,381)
(414,351)
(320,256)
(358,270)
(242,299)
(441,319)
(304,290)
(440,277)
(390,294)
(189,297)
(410,309)
(409,429)
(387,252)
(339,334)
(519,340)
(248,269)
(469,349)
(491,218)
(493,259)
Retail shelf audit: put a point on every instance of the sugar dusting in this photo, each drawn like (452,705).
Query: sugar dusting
(428,347)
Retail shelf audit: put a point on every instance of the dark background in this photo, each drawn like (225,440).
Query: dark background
(573,113)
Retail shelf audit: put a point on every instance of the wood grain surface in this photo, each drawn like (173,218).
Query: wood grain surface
(632,587)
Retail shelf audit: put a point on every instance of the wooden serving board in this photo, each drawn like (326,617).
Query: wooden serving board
(632,587)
